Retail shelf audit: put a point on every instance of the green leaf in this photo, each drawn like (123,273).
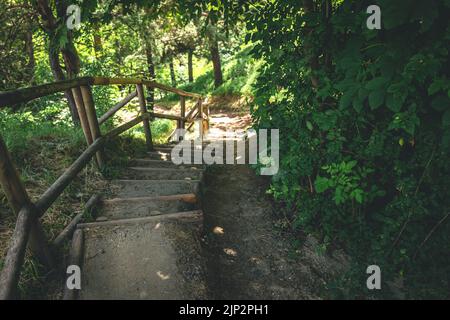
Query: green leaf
(358,104)
(309,126)
(393,102)
(346,98)
(376,98)
(446,119)
(440,103)
(376,83)
(321,184)
(351,164)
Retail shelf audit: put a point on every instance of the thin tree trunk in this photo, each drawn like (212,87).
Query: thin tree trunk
(308,5)
(190,68)
(51,24)
(98,45)
(217,65)
(151,75)
(59,75)
(172,73)
(29,46)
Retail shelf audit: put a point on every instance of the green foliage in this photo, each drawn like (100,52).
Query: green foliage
(240,71)
(364,154)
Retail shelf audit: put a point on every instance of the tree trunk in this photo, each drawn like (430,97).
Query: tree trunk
(308,6)
(29,46)
(217,65)
(172,73)
(58,74)
(190,68)
(98,45)
(151,75)
(51,24)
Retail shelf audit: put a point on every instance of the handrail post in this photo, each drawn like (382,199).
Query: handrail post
(200,115)
(181,124)
(145,121)
(18,198)
(82,114)
(94,127)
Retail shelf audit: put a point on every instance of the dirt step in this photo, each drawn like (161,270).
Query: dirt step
(148,258)
(144,173)
(150,163)
(121,208)
(146,188)
(158,155)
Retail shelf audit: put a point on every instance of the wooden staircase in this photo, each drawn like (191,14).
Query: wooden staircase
(152,194)
(145,243)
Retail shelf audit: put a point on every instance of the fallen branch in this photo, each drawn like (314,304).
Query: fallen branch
(430,233)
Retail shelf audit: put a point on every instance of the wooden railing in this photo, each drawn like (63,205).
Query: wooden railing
(28,230)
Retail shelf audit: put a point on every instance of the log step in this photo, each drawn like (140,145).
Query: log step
(140,258)
(150,163)
(146,188)
(145,173)
(121,208)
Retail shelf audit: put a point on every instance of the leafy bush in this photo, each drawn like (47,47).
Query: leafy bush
(364,119)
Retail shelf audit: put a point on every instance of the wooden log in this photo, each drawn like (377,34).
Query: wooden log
(93,122)
(69,229)
(176,215)
(18,198)
(165,116)
(9,178)
(14,259)
(108,114)
(147,83)
(55,190)
(116,131)
(13,97)
(82,114)
(200,116)
(145,122)
(38,244)
(76,258)
(186,197)
(190,114)
(183,109)
(182,114)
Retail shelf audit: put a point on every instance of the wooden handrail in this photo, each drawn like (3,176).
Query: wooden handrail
(13,97)
(147,83)
(55,190)
(28,230)
(108,114)
(16,254)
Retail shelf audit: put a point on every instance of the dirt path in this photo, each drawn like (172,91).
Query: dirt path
(247,257)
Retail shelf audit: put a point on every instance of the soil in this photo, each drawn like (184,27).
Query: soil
(247,257)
